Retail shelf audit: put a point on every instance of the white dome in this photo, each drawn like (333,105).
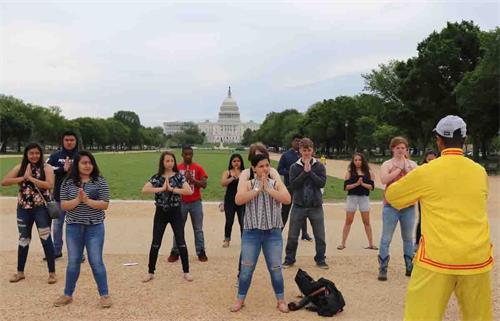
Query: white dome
(229,111)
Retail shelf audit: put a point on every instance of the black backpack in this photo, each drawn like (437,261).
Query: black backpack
(321,296)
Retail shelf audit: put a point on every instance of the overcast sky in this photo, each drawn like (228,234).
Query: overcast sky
(175,61)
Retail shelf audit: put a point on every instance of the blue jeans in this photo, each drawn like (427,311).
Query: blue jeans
(79,236)
(271,243)
(196,210)
(57,227)
(298,217)
(25,220)
(390,217)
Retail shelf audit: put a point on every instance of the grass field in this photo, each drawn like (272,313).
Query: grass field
(127,173)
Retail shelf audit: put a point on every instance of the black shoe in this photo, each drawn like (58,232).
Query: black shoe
(202,256)
(287,265)
(57,256)
(322,265)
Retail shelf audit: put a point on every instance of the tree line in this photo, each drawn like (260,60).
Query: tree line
(456,71)
(21,122)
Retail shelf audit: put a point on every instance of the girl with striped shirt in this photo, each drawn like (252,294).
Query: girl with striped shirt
(84,197)
(262,226)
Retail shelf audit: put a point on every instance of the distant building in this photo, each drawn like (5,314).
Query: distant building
(228,128)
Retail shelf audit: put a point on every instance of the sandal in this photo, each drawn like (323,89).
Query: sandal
(148,277)
(238,305)
(340,247)
(373,247)
(188,277)
(282,306)
(16,277)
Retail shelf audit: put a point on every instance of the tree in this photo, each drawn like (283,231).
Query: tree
(118,133)
(383,135)
(478,95)
(190,135)
(15,121)
(132,121)
(248,137)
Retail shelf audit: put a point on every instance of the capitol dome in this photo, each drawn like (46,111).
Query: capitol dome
(229,111)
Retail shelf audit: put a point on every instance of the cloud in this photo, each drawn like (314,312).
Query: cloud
(174,61)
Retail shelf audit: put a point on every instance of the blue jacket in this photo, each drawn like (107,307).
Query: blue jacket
(56,160)
(286,161)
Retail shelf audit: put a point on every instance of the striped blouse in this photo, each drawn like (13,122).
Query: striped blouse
(263,212)
(97,190)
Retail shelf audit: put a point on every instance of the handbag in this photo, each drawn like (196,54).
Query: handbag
(51,205)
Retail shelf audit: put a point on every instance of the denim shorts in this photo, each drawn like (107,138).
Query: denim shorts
(353,202)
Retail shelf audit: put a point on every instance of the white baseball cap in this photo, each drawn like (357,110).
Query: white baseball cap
(447,126)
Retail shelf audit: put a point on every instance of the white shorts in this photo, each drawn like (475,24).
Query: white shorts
(353,202)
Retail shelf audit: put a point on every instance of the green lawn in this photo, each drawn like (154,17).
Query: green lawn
(127,173)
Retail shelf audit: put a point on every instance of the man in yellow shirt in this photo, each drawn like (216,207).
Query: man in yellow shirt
(455,252)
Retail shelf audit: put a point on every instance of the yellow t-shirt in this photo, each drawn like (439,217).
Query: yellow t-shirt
(453,193)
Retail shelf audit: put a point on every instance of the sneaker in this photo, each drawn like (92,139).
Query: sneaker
(323,265)
(225,243)
(105,301)
(188,277)
(307,238)
(56,256)
(286,265)
(63,300)
(173,258)
(202,256)
(52,278)
(17,277)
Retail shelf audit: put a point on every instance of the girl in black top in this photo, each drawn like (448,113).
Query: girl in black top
(358,183)
(168,185)
(229,180)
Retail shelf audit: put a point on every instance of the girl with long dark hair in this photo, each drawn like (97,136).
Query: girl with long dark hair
(168,185)
(84,197)
(229,180)
(358,183)
(35,179)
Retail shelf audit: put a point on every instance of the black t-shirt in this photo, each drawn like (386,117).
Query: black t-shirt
(167,199)
(359,190)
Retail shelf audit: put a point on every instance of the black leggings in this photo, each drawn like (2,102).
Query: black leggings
(230,209)
(162,218)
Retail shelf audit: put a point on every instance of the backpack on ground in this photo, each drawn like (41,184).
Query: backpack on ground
(321,296)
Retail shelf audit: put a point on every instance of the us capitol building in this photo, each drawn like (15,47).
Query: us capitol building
(227,129)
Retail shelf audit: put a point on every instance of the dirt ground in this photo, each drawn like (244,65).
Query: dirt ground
(169,297)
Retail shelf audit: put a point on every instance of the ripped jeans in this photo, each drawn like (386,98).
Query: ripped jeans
(25,220)
(271,242)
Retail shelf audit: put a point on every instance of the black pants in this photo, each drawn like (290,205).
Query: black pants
(162,218)
(285,211)
(230,209)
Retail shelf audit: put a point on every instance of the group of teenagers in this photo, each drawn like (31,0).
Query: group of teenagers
(450,253)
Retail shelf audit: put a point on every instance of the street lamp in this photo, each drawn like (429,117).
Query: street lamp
(346,124)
